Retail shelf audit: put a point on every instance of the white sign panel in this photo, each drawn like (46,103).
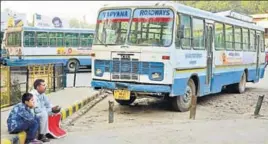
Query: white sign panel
(12,19)
(45,21)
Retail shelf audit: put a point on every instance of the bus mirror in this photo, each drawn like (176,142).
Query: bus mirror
(180,32)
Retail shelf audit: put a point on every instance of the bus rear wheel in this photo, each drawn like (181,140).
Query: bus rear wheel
(183,103)
(72,64)
(241,86)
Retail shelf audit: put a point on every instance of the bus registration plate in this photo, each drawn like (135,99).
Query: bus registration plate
(122,94)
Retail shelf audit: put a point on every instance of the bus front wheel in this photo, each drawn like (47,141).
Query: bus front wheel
(72,64)
(183,103)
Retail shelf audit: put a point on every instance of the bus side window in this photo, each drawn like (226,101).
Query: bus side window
(186,23)
(59,39)
(29,39)
(52,39)
(262,42)
(71,40)
(198,33)
(246,39)
(75,40)
(238,38)
(177,40)
(229,39)
(86,39)
(90,41)
(42,39)
(252,40)
(68,39)
(219,36)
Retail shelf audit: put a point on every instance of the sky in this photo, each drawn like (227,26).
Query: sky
(64,9)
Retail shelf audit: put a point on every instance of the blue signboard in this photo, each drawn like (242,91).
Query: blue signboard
(148,13)
(115,14)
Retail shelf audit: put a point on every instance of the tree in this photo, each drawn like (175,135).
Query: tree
(246,7)
(75,23)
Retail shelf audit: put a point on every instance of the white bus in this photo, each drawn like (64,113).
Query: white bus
(37,45)
(169,49)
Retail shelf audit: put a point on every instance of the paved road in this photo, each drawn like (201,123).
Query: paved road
(222,118)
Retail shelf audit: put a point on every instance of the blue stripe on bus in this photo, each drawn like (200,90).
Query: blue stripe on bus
(22,62)
(219,79)
(132,87)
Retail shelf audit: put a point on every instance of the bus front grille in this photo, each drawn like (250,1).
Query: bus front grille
(125,69)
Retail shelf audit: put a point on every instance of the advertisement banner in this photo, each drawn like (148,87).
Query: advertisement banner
(46,21)
(13,19)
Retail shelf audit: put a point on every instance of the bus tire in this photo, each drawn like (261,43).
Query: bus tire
(72,63)
(183,103)
(241,86)
(126,102)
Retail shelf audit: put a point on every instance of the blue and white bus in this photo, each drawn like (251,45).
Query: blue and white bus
(36,45)
(169,49)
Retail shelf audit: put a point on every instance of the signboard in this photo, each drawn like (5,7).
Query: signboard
(46,21)
(236,15)
(12,19)
(153,15)
(121,15)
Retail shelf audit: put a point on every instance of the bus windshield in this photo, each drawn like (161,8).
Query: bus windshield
(112,25)
(151,27)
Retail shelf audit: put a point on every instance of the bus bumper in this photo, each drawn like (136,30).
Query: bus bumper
(146,88)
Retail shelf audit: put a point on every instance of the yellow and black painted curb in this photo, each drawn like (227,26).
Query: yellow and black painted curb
(21,137)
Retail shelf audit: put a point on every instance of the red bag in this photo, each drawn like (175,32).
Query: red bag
(54,128)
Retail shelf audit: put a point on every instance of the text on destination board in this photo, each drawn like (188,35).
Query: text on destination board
(154,12)
(115,14)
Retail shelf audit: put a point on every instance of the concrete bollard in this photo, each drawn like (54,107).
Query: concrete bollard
(111,111)
(193,107)
(258,106)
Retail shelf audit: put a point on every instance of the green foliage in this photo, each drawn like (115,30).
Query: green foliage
(245,7)
(16,92)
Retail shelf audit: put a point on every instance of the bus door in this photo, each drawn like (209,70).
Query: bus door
(258,56)
(209,47)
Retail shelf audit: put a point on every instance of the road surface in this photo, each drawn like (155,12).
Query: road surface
(221,118)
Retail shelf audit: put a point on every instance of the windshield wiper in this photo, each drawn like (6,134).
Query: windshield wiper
(101,41)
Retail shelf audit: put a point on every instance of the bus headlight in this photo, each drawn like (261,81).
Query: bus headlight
(98,72)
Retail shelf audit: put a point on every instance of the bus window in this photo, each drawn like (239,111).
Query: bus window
(29,39)
(42,39)
(68,39)
(229,37)
(238,40)
(245,39)
(52,39)
(59,39)
(151,30)
(71,39)
(262,42)
(186,22)
(86,40)
(252,40)
(198,33)
(219,36)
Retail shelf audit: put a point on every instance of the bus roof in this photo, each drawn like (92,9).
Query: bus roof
(191,11)
(71,30)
